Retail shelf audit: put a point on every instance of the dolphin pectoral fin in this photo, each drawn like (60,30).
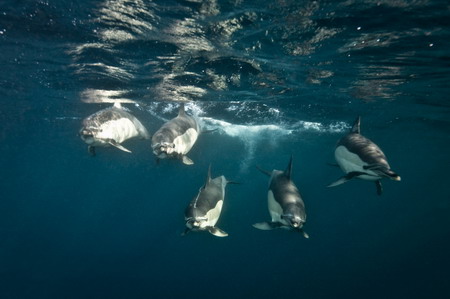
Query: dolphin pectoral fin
(338,182)
(333,164)
(118,145)
(304,234)
(234,183)
(91,150)
(268,173)
(266,225)
(208,131)
(217,232)
(379,187)
(346,178)
(186,160)
(186,231)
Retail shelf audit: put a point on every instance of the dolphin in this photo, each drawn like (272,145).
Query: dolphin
(285,204)
(204,210)
(360,158)
(111,127)
(176,137)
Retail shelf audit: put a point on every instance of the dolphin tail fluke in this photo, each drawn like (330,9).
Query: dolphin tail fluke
(266,225)
(264,171)
(356,128)
(187,160)
(119,146)
(217,232)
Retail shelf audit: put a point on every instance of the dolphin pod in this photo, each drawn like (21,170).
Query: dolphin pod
(356,155)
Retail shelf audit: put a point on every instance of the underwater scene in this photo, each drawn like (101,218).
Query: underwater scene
(224,149)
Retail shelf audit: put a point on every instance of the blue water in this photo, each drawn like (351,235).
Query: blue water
(272,78)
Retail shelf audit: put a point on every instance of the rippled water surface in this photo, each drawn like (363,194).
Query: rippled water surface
(267,79)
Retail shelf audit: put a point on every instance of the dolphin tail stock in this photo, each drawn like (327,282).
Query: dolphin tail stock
(217,231)
(346,178)
(264,171)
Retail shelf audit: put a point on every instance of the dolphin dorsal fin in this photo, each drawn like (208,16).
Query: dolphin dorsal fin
(356,126)
(208,178)
(268,173)
(289,169)
(118,105)
(181,111)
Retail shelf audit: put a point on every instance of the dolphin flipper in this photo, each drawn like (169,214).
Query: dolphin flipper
(267,225)
(186,231)
(379,187)
(268,173)
(217,232)
(91,150)
(118,145)
(304,234)
(346,178)
(186,160)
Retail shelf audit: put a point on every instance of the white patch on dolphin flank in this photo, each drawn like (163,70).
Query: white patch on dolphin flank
(213,215)
(350,162)
(185,142)
(275,208)
(118,130)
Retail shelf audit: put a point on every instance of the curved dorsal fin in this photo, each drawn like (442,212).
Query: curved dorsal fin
(356,126)
(181,111)
(118,105)
(288,170)
(208,178)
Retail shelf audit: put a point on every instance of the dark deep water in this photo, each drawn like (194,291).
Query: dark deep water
(274,78)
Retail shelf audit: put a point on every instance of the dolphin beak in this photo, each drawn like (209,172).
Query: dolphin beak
(295,224)
(397,178)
